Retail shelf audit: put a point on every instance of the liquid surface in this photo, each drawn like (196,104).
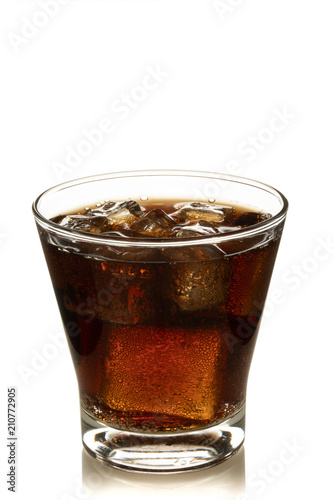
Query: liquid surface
(160,219)
(162,339)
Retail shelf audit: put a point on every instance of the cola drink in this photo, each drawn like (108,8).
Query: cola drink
(161,336)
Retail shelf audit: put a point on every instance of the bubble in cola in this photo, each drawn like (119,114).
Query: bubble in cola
(161,337)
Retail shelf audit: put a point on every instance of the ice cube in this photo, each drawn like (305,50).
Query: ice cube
(203,211)
(191,230)
(101,208)
(155,223)
(171,374)
(109,216)
(250,218)
(88,224)
(197,278)
(123,214)
(118,292)
(107,206)
(104,287)
(126,291)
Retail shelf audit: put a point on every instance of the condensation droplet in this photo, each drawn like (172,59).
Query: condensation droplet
(211,200)
(144,197)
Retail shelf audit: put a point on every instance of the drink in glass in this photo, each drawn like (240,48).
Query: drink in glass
(161,290)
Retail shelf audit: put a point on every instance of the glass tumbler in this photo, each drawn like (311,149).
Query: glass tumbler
(161,330)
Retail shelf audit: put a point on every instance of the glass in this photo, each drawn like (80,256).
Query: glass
(161,331)
(224,481)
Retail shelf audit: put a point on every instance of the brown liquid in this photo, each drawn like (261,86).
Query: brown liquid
(162,339)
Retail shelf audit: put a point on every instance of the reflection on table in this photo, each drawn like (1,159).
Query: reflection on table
(226,480)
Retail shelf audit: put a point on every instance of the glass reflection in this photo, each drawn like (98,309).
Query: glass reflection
(227,480)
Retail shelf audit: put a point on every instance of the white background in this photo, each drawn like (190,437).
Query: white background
(228,70)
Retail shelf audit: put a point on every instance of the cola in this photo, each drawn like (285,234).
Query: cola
(161,320)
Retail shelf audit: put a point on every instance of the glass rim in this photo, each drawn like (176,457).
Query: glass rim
(161,242)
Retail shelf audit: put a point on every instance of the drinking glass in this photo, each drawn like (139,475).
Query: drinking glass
(162,330)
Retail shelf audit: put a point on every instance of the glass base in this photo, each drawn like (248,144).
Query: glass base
(163,452)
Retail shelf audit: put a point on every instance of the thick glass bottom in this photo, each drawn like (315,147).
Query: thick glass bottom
(163,452)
